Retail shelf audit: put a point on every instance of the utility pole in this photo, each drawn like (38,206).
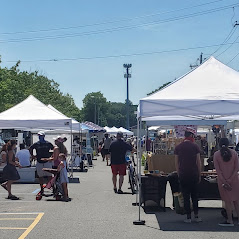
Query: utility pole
(127,76)
(236,24)
(200,61)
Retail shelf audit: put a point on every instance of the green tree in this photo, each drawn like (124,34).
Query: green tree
(95,107)
(15,86)
(161,87)
(107,113)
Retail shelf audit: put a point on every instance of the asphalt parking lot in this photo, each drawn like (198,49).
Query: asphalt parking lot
(95,211)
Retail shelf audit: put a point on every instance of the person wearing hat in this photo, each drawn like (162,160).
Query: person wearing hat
(118,149)
(59,148)
(42,148)
(188,166)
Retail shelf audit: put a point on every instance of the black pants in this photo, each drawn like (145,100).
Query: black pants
(190,190)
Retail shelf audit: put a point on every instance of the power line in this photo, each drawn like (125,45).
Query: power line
(123,55)
(118,28)
(233,58)
(109,22)
(228,47)
(226,40)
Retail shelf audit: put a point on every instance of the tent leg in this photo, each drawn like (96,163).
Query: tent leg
(139,221)
(71,175)
(137,166)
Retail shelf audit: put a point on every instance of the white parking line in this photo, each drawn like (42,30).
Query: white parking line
(17,201)
(36,191)
(19,213)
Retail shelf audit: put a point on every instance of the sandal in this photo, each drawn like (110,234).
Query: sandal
(4,186)
(12,197)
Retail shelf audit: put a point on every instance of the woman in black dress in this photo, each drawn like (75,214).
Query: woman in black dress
(10,173)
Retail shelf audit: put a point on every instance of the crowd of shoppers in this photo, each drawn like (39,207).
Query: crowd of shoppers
(42,152)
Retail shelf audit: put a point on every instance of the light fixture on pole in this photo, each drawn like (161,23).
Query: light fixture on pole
(127,76)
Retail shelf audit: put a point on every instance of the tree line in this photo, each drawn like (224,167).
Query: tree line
(16,85)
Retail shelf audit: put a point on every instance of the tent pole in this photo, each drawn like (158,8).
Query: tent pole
(137,166)
(71,151)
(139,221)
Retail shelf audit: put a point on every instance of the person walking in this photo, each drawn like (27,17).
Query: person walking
(188,166)
(118,149)
(42,148)
(10,172)
(106,146)
(227,167)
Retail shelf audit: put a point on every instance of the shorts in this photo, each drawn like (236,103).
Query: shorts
(106,151)
(118,169)
(63,176)
(42,173)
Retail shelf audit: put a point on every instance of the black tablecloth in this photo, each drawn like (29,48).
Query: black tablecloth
(153,188)
(206,190)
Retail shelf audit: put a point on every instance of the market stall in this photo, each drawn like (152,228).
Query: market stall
(32,115)
(208,95)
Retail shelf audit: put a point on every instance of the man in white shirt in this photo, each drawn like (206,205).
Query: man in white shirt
(23,156)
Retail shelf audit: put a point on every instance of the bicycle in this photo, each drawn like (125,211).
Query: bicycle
(133,178)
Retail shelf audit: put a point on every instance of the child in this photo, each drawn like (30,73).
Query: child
(63,176)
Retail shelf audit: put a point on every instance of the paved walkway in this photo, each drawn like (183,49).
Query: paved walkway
(97,212)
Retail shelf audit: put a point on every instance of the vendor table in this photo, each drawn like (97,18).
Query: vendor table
(153,188)
(208,190)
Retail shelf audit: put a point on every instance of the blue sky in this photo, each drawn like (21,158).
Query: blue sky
(99,29)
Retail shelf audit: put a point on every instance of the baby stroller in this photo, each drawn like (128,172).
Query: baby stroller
(54,185)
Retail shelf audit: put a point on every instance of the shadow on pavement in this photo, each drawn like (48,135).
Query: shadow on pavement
(170,221)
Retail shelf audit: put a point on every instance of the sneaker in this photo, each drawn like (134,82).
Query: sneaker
(115,190)
(120,191)
(188,220)
(198,219)
(226,224)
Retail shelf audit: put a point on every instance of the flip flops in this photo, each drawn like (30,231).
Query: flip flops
(12,197)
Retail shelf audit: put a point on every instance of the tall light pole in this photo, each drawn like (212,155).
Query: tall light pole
(127,76)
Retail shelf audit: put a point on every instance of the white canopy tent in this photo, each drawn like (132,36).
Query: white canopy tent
(114,130)
(33,114)
(76,126)
(206,95)
(125,131)
(208,92)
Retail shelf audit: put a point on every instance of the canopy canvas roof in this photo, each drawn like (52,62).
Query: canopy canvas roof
(209,92)
(75,124)
(33,114)
(115,130)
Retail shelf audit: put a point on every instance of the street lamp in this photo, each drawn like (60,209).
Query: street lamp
(127,76)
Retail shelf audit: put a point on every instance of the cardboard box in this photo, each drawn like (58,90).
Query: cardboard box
(165,163)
